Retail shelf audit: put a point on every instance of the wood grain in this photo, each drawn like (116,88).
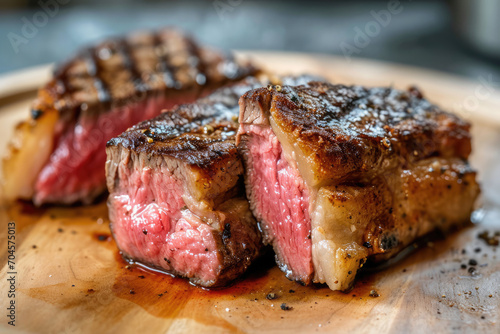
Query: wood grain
(70,278)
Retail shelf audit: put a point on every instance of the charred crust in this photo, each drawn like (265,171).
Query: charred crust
(388,242)
(350,131)
(113,73)
(226,233)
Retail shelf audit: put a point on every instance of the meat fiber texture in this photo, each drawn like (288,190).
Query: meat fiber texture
(337,175)
(58,154)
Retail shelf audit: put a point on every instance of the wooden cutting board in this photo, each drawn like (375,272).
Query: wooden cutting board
(70,278)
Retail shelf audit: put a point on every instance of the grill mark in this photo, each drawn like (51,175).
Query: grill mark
(196,63)
(103,93)
(164,67)
(125,51)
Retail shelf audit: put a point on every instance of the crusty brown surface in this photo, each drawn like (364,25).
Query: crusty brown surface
(348,133)
(141,64)
(376,221)
(409,203)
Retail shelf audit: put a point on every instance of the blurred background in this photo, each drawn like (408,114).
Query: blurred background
(455,36)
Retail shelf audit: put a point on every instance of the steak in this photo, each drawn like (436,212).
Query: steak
(58,154)
(176,200)
(337,175)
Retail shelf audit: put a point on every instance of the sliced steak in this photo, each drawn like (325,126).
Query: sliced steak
(338,174)
(176,200)
(58,154)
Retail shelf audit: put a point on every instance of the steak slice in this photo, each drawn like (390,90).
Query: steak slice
(176,200)
(357,173)
(58,154)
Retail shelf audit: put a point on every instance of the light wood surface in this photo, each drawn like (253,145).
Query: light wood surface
(70,278)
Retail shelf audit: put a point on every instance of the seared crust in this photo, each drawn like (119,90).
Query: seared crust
(350,133)
(356,223)
(142,64)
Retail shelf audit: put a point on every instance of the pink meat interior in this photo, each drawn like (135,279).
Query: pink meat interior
(280,200)
(75,170)
(150,227)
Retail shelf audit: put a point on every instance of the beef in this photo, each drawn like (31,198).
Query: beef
(58,154)
(337,175)
(176,200)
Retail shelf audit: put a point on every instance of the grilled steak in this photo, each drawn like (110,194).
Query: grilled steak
(58,154)
(357,173)
(176,193)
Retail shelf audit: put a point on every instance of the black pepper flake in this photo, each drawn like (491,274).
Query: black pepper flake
(141,276)
(367,244)
(349,272)
(291,291)
(34,246)
(472,270)
(36,113)
(167,260)
(72,285)
(160,294)
(132,292)
(374,293)
(145,232)
(60,230)
(472,262)
(463,266)
(102,237)
(285,307)
(206,249)
(477,250)
(271,296)
(90,290)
